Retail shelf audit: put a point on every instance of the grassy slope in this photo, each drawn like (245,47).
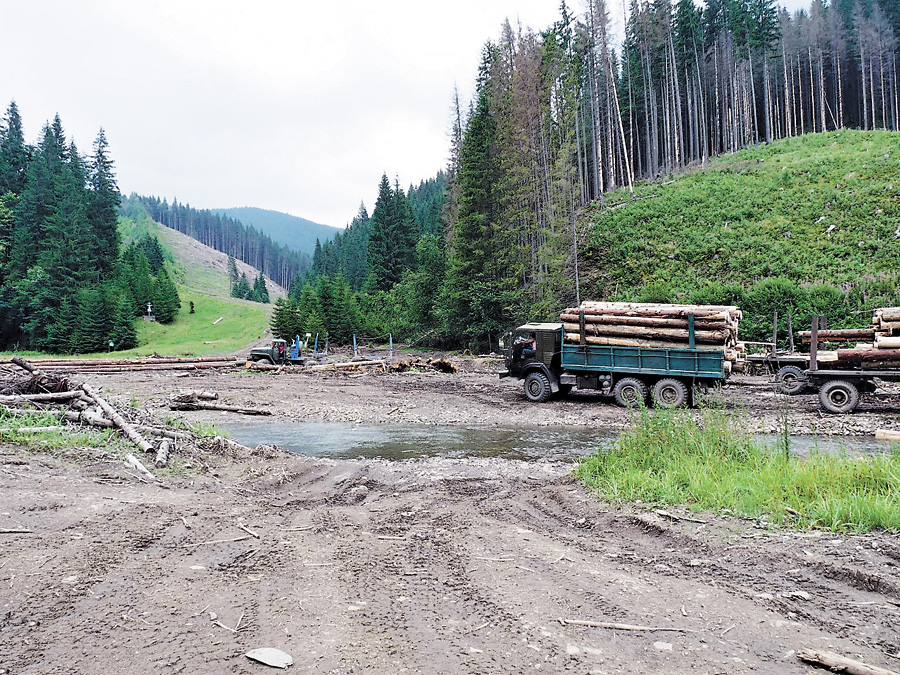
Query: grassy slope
(193,334)
(758,213)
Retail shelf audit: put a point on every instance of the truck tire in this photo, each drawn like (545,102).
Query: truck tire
(537,387)
(790,380)
(630,392)
(670,393)
(839,396)
(267,360)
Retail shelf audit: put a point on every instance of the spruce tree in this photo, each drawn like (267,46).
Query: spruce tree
(242,289)
(379,256)
(260,293)
(280,323)
(103,208)
(233,274)
(14,153)
(166,302)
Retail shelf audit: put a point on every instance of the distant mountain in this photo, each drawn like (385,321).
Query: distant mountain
(292,231)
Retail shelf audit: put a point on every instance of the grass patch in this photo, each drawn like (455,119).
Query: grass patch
(61,440)
(670,458)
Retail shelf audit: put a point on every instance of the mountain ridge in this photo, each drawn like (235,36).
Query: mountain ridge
(292,231)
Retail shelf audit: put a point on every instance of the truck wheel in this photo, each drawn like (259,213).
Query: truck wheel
(630,392)
(537,387)
(790,380)
(670,393)
(839,396)
(267,361)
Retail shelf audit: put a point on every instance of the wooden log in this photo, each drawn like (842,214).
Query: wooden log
(652,321)
(667,312)
(59,396)
(141,367)
(119,421)
(868,357)
(190,402)
(349,364)
(573,338)
(887,435)
(842,334)
(841,664)
(31,430)
(162,455)
(888,313)
(882,342)
(648,333)
(133,362)
(133,461)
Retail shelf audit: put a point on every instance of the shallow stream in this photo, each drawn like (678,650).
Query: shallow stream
(397,442)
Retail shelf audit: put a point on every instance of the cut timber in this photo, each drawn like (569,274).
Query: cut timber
(842,335)
(350,364)
(869,358)
(218,320)
(133,461)
(887,435)
(636,342)
(650,333)
(162,455)
(191,402)
(60,396)
(31,430)
(119,421)
(132,362)
(841,664)
(651,321)
(882,342)
(622,626)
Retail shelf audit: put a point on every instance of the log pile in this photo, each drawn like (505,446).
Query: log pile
(657,326)
(76,406)
(879,348)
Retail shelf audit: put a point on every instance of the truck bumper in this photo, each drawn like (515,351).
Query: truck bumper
(505,373)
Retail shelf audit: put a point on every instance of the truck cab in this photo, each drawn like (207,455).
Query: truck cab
(278,353)
(532,352)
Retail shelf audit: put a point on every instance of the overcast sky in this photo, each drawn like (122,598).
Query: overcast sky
(295,106)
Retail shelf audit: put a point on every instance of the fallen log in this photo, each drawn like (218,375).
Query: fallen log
(133,461)
(841,664)
(141,367)
(162,455)
(31,430)
(58,396)
(119,421)
(887,435)
(349,364)
(189,402)
(623,626)
(132,362)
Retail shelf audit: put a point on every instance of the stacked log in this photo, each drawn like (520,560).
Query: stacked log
(656,326)
(881,351)
(139,364)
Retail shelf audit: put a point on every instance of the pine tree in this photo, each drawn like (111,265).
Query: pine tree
(379,257)
(93,322)
(233,275)
(281,322)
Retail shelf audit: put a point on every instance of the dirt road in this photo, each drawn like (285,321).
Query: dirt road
(425,566)
(432,565)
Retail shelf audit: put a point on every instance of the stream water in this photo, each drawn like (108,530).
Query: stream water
(397,442)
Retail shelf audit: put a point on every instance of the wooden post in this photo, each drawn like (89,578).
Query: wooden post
(814,344)
(692,336)
(775,334)
(790,333)
(581,329)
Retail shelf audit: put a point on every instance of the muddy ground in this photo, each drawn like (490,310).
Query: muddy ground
(433,565)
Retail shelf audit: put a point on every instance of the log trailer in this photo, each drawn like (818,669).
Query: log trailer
(539,354)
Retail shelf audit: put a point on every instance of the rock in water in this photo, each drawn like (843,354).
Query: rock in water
(270,657)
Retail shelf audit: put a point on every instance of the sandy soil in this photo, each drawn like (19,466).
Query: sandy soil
(437,565)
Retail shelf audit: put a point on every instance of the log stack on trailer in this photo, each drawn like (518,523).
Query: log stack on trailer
(875,348)
(657,326)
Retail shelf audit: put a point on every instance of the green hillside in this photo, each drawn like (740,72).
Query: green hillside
(200,280)
(803,224)
(292,231)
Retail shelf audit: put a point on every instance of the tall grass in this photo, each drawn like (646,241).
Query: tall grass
(670,458)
